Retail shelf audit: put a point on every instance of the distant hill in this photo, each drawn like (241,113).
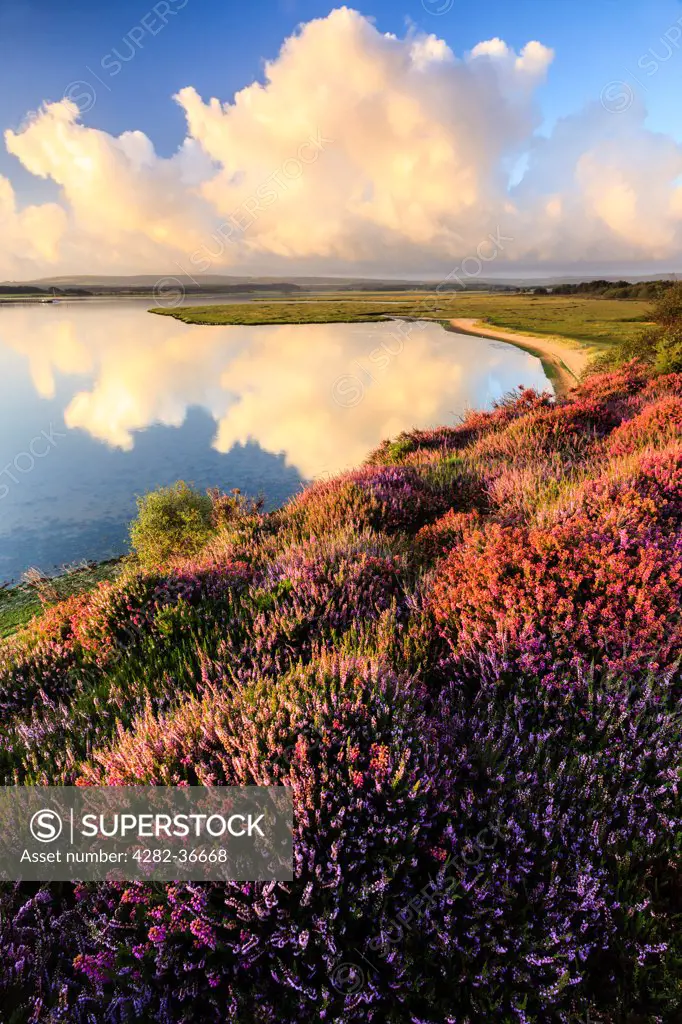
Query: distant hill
(218,285)
(95,284)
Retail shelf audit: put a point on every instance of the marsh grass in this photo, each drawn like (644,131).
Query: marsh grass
(596,322)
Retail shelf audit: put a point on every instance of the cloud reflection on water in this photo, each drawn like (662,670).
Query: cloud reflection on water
(272,385)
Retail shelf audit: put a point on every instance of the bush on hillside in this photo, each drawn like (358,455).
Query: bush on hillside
(171,522)
(234,508)
(656,426)
(662,385)
(632,496)
(614,387)
(568,430)
(660,345)
(437,539)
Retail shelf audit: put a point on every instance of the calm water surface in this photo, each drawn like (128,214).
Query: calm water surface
(101,401)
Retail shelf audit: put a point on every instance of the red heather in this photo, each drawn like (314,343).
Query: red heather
(656,425)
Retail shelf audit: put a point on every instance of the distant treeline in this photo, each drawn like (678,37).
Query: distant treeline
(611,289)
(648,290)
(28,289)
(426,286)
(218,289)
(237,289)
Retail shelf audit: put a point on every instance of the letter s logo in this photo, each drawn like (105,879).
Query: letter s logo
(46,826)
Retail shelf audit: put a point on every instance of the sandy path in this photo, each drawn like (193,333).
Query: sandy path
(567,362)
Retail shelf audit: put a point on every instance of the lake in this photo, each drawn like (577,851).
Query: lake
(102,401)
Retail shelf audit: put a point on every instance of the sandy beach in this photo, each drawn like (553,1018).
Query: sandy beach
(566,362)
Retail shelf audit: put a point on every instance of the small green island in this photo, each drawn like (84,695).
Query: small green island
(595,321)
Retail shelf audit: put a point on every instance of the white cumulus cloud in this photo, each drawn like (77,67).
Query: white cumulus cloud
(358,149)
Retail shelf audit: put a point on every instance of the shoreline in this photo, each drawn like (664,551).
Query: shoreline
(21,600)
(563,364)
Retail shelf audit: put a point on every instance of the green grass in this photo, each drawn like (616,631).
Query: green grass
(296,311)
(20,604)
(597,323)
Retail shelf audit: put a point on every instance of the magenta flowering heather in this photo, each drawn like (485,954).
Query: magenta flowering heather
(568,430)
(383,498)
(97,968)
(368,813)
(414,447)
(204,933)
(614,385)
(577,594)
(655,426)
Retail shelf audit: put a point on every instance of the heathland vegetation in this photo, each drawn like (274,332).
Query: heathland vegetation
(23,602)
(464,660)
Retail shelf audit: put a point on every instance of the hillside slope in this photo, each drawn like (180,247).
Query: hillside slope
(463,658)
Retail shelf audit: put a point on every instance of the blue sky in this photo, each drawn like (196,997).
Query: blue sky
(219,47)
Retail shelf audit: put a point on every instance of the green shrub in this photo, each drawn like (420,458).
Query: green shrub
(660,345)
(171,521)
(669,350)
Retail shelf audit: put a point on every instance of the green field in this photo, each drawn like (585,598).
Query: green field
(595,322)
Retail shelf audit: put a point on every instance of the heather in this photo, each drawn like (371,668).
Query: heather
(148,638)
(569,431)
(655,426)
(463,660)
(573,595)
(386,499)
